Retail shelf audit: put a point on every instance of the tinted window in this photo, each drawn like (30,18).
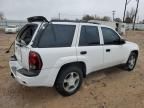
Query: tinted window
(110,36)
(89,36)
(56,35)
(27,33)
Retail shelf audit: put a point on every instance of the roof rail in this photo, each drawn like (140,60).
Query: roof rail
(75,21)
(43,19)
(37,19)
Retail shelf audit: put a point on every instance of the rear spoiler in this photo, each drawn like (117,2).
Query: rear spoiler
(37,19)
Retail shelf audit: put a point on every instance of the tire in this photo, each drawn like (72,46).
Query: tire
(69,80)
(130,65)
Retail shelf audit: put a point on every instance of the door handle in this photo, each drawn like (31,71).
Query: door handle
(83,52)
(108,50)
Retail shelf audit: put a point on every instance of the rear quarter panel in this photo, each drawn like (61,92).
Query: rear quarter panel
(56,57)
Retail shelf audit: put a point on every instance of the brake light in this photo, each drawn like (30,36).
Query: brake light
(35,62)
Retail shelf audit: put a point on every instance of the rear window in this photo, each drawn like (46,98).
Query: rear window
(57,35)
(26,33)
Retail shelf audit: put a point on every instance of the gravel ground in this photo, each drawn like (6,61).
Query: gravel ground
(110,88)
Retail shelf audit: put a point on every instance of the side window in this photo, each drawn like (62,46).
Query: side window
(56,35)
(110,36)
(89,36)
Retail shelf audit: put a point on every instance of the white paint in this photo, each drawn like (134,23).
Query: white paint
(54,58)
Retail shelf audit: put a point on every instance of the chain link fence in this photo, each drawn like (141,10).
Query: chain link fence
(18,23)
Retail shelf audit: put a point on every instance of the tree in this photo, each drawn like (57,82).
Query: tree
(143,21)
(106,18)
(130,16)
(117,20)
(1,15)
(128,20)
(88,17)
(97,17)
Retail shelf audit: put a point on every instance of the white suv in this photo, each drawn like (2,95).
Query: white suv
(62,53)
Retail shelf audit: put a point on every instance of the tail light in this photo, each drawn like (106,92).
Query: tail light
(35,62)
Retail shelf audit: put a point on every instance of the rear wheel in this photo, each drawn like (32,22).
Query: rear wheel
(69,80)
(130,65)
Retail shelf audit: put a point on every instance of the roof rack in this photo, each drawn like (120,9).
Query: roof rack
(43,19)
(75,21)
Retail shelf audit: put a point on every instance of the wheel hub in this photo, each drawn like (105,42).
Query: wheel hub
(132,62)
(71,81)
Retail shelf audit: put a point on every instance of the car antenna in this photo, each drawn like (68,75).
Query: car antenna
(10,47)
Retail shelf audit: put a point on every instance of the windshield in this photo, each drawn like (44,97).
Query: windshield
(26,33)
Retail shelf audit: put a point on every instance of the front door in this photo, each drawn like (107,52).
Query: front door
(113,50)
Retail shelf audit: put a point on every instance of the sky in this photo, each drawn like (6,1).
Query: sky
(69,9)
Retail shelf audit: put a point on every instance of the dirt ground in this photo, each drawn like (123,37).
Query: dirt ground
(110,88)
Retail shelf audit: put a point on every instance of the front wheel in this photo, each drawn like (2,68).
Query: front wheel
(69,80)
(130,65)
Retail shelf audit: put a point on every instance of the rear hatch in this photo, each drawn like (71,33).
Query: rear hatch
(22,42)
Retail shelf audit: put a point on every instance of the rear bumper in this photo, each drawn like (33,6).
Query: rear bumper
(45,78)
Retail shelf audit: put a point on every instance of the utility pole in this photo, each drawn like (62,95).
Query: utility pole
(125,10)
(136,14)
(59,16)
(113,13)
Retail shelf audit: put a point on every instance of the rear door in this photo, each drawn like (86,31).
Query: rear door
(23,39)
(89,48)
(56,45)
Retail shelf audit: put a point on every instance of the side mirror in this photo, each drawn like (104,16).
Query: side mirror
(122,41)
